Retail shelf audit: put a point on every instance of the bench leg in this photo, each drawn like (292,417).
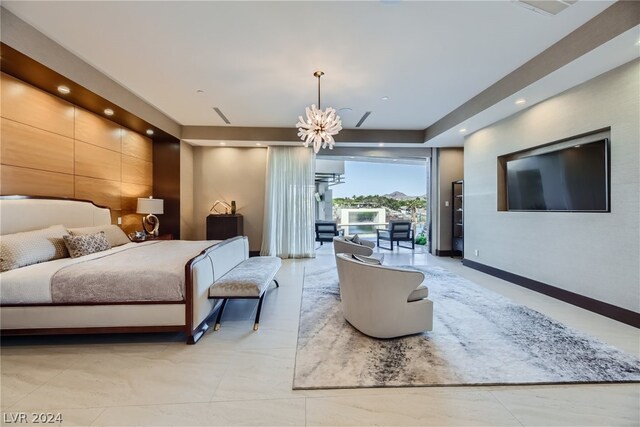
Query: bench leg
(257,321)
(219,318)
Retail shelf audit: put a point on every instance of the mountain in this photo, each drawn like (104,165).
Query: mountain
(399,195)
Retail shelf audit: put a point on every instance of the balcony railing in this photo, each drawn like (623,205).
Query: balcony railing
(365,229)
(368,229)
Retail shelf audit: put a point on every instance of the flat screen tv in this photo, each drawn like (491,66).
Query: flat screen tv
(572,179)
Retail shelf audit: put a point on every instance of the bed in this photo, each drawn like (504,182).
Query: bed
(155,286)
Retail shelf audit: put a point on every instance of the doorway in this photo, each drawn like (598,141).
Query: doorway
(362,194)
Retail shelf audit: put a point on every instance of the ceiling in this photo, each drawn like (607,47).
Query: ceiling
(255,60)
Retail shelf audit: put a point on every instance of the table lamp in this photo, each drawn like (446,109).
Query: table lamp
(150,207)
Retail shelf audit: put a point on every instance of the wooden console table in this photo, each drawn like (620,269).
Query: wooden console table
(221,227)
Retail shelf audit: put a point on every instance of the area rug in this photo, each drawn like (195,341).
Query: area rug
(479,338)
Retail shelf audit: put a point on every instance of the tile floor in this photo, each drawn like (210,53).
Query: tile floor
(239,377)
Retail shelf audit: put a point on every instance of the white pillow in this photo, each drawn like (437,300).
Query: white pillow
(115,235)
(31,247)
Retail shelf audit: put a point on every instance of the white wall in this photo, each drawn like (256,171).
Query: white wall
(592,254)
(226,174)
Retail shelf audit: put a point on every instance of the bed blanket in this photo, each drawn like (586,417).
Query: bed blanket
(146,272)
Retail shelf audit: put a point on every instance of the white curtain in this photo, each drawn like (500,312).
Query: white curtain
(289,210)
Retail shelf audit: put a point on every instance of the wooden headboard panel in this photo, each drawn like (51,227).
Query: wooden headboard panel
(22,213)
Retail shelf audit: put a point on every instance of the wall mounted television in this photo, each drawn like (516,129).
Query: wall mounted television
(571,179)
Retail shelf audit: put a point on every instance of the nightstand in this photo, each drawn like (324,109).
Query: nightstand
(160,237)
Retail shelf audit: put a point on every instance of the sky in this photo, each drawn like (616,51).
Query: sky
(366,178)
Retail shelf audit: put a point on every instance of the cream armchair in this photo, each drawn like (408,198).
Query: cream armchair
(381,301)
(343,246)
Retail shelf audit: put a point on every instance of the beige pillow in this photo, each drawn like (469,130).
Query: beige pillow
(356,239)
(115,235)
(367,259)
(31,247)
(86,244)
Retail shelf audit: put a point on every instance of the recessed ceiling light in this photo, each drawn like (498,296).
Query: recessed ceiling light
(149,132)
(463,130)
(257,143)
(520,101)
(223,143)
(108,111)
(576,146)
(395,160)
(381,144)
(351,157)
(385,98)
(64,89)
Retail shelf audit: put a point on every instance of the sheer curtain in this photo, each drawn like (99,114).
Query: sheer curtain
(289,213)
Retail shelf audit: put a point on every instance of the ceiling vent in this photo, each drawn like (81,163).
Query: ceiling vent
(222,116)
(545,7)
(364,117)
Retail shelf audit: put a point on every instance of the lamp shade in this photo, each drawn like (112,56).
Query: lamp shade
(150,206)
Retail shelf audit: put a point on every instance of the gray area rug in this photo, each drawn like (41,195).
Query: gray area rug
(479,337)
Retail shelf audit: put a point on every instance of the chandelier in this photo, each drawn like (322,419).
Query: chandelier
(320,126)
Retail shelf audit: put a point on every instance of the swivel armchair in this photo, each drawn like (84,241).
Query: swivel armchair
(382,301)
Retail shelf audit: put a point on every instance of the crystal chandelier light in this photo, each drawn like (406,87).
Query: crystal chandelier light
(320,126)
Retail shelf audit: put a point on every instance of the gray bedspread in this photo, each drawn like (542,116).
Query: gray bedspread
(152,271)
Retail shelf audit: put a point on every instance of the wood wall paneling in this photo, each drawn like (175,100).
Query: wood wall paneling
(25,104)
(33,182)
(98,131)
(137,171)
(100,191)
(33,148)
(97,162)
(131,221)
(130,194)
(166,182)
(115,214)
(136,145)
(50,147)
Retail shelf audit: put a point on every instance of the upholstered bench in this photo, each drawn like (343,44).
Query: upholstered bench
(247,280)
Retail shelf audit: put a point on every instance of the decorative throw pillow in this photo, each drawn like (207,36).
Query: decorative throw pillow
(115,235)
(356,239)
(367,259)
(87,244)
(31,247)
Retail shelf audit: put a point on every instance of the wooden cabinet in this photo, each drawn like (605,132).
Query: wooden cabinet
(457,218)
(221,227)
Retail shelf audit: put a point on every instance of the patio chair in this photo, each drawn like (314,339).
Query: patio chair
(398,231)
(326,231)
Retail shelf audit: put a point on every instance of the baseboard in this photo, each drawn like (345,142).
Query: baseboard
(447,253)
(605,309)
